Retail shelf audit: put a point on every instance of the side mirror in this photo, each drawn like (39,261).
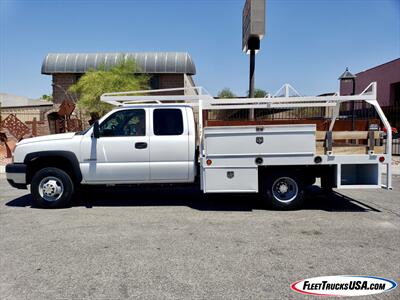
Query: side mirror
(96,129)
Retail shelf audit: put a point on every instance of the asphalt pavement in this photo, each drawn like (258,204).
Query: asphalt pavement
(174,243)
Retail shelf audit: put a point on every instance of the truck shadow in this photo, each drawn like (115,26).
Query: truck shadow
(193,198)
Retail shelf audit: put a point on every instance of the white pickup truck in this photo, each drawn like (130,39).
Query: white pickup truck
(167,139)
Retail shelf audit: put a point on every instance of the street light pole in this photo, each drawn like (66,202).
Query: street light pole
(252,68)
(253,30)
(251,79)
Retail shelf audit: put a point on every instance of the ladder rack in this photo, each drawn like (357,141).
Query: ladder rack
(199,97)
(138,97)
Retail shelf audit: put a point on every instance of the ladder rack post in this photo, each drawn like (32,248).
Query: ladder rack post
(251,79)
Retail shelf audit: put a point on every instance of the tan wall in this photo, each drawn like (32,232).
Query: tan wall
(26,113)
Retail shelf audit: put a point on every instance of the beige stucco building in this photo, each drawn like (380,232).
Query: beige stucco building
(24,108)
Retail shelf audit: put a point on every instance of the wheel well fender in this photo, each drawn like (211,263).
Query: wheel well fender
(64,160)
(301,172)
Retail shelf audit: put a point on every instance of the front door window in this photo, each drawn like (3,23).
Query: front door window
(130,122)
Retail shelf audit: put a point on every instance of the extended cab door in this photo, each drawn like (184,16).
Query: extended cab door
(169,145)
(121,153)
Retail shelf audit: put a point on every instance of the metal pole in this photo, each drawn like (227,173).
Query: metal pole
(251,82)
(353,118)
(352,105)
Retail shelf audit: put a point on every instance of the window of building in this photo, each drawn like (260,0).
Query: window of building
(167,122)
(130,122)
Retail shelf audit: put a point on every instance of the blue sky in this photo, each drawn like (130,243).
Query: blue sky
(308,43)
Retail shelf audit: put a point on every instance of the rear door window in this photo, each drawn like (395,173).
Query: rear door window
(167,121)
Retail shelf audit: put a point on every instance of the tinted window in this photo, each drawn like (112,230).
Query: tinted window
(167,122)
(130,122)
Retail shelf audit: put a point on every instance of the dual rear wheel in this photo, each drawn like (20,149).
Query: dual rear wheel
(283,190)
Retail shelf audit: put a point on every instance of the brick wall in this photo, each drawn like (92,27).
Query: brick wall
(42,129)
(385,75)
(61,83)
(169,81)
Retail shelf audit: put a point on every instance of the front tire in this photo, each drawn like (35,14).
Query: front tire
(52,188)
(283,190)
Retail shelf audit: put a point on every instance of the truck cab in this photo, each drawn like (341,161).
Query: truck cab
(141,144)
(133,145)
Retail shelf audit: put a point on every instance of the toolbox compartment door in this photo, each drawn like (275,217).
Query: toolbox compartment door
(269,140)
(230,180)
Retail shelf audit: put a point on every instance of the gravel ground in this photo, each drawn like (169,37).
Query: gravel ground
(158,243)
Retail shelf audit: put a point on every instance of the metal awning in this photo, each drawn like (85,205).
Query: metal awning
(148,62)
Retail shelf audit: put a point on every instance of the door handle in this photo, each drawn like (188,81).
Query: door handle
(141,145)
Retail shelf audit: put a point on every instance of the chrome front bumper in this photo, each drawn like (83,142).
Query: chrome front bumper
(16,175)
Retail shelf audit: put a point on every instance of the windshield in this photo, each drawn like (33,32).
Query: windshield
(83,131)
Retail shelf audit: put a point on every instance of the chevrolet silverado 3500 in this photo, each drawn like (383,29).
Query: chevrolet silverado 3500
(154,139)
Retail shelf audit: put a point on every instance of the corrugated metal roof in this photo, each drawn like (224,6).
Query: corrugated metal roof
(148,62)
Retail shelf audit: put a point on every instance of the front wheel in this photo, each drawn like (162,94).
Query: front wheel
(51,188)
(283,190)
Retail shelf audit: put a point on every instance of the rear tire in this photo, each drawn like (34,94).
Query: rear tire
(52,188)
(283,190)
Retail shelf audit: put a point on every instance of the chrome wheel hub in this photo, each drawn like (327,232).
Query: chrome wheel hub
(285,189)
(51,188)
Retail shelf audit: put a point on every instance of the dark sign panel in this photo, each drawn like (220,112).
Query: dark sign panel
(253,25)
